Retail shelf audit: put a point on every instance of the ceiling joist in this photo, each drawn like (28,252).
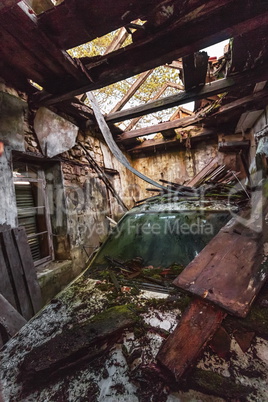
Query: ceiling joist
(214,88)
(215,20)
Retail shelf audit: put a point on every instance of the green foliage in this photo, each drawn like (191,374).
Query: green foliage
(110,95)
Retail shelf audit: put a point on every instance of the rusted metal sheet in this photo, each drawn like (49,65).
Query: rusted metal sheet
(112,145)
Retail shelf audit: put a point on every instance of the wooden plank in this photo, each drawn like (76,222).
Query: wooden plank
(228,271)
(10,319)
(132,90)
(203,172)
(16,271)
(214,88)
(6,288)
(159,144)
(197,326)
(169,43)
(157,128)
(28,267)
(195,68)
(6,4)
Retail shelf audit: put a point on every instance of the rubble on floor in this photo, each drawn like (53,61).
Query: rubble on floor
(125,367)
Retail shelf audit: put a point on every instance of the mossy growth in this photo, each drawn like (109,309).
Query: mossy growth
(117,313)
(256,320)
(215,384)
(181,302)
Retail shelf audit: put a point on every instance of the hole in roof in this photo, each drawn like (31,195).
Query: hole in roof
(216,50)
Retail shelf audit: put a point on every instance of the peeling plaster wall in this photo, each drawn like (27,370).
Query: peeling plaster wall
(124,182)
(176,166)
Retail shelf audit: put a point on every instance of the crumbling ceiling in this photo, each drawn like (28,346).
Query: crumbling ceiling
(34,50)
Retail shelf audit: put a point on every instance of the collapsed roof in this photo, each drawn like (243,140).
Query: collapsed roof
(38,34)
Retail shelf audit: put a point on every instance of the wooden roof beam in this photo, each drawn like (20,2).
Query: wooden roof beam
(132,90)
(156,96)
(214,88)
(30,51)
(163,144)
(6,4)
(158,128)
(215,20)
(257,99)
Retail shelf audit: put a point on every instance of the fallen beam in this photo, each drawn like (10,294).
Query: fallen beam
(76,344)
(197,326)
(231,276)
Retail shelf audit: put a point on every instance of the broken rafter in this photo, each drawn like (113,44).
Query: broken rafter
(216,20)
(248,101)
(195,68)
(79,21)
(158,128)
(156,96)
(214,88)
(159,144)
(132,90)
(118,41)
(252,100)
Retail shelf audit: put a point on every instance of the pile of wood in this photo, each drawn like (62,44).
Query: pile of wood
(213,181)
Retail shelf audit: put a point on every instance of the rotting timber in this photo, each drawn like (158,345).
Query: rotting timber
(70,349)
(95,325)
